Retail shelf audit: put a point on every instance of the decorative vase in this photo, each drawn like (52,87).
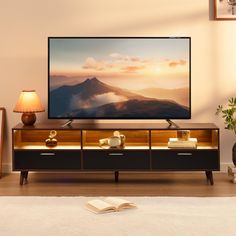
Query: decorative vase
(51,141)
(234,154)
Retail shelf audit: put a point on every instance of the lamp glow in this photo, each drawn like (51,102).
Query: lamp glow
(28,103)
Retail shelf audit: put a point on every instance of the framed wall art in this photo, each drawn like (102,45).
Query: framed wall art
(225,9)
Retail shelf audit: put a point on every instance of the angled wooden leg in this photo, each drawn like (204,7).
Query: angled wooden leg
(209,176)
(116,176)
(23,177)
(26,176)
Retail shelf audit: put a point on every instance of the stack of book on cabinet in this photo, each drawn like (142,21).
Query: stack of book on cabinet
(177,143)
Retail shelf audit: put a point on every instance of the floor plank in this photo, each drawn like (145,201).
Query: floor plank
(130,184)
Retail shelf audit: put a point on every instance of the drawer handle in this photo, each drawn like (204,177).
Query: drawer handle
(116,154)
(184,154)
(47,154)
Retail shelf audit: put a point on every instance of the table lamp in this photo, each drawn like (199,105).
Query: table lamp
(28,103)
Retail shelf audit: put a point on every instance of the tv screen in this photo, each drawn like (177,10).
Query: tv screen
(119,77)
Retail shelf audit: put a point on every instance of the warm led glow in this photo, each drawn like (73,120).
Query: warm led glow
(28,102)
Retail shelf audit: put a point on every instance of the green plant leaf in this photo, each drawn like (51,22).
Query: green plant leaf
(228,114)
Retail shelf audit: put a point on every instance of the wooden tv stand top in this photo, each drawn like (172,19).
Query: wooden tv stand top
(128,126)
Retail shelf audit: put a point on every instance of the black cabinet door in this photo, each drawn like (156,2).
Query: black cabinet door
(47,159)
(116,159)
(185,159)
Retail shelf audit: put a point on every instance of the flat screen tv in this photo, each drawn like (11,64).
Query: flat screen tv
(119,77)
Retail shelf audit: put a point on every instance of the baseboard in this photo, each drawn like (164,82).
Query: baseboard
(7,167)
(224,166)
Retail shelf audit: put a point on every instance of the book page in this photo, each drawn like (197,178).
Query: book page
(119,202)
(99,206)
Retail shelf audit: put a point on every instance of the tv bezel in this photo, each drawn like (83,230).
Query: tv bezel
(119,118)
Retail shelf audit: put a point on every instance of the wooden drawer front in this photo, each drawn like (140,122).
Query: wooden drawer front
(47,160)
(185,160)
(116,160)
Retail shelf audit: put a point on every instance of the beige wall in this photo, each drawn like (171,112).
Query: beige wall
(25,26)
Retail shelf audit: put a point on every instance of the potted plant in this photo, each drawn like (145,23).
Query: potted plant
(229,116)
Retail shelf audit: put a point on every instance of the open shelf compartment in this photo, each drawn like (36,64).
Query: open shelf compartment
(35,139)
(134,139)
(206,139)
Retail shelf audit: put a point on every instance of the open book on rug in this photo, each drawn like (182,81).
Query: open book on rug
(109,204)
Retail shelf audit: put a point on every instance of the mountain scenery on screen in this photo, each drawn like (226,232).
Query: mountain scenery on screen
(92,98)
(114,78)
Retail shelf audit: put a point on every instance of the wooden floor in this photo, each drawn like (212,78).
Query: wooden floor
(130,184)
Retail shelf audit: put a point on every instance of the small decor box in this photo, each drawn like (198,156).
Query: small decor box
(183,135)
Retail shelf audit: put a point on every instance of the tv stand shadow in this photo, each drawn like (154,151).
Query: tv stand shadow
(146,149)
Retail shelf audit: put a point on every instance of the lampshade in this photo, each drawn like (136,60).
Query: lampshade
(28,102)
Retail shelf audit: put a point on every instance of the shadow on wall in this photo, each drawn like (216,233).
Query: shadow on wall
(227,137)
(155,22)
(211,106)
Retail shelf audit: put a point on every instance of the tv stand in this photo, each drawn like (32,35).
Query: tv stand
(146,149)
(171,124)
(68,123)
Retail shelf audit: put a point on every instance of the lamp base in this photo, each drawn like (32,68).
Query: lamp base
(28,118)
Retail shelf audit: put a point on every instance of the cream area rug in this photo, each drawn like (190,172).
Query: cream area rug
(162,216)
